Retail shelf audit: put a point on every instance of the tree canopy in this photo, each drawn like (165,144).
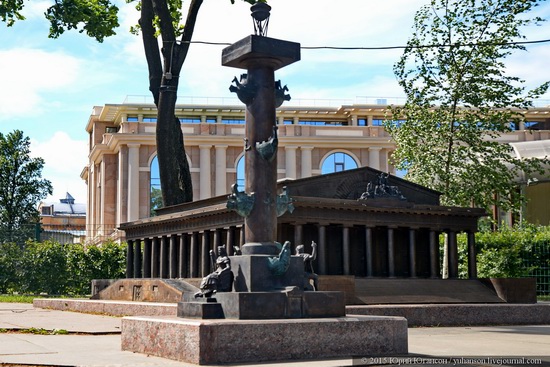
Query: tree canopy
(460,100)
(164,18)
(21,182)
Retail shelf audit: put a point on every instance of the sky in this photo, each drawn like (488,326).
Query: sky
(48,87)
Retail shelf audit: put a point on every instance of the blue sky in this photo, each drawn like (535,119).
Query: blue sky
(49,87)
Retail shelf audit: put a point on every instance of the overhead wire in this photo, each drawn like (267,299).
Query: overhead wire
(393,47)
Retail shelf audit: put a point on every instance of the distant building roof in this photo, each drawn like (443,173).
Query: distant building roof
(533,149)
(66,206)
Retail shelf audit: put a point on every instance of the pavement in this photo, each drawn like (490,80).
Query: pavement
(94,340)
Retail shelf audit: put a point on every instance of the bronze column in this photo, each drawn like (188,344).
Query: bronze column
(182,257)
(194,254)
(368,251)
(137,259)
(391,253)
(130,259)
(173,258)
(147,258)
(322,257)
(155,258)
(260,56)
(346,252)
(164,257)
(434,254)
(412,253)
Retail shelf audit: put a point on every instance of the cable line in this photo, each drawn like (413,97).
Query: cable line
(392,47)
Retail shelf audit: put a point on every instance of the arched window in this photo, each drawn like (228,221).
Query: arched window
(156,196)
(338,162)
(240,174)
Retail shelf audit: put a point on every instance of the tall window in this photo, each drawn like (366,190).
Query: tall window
(338,162)
(190,120)
(233,121)
(156,196)
(240,174)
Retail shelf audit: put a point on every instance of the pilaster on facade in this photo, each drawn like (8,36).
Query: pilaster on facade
(306,161)
(221,169)
(122,193)
(133,182)
(374,157)
(290,161)
(205,175)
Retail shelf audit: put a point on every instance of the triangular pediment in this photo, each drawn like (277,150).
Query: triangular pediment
(351,184)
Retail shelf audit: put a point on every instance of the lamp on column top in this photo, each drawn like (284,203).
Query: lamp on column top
(260,15)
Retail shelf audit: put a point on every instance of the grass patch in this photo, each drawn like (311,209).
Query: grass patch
(28,298)
(543,298)
(17,298)
(36,331)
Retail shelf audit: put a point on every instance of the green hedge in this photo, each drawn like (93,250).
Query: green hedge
(59,269)
(520,251)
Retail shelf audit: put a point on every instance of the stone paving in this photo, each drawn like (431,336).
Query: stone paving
(94,340)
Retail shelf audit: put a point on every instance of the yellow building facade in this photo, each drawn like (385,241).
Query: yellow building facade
(312,141)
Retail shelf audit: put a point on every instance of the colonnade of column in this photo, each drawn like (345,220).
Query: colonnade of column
(186,255)
(391,254)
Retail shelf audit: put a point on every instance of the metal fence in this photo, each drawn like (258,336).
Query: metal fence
(60,233)
(538,259)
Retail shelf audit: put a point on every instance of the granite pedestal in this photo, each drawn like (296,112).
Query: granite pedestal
(258,294)
(242,341)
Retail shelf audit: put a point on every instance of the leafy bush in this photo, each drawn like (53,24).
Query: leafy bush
(60,269)
(10,254)
(44,268)
(107,261)
(518,251)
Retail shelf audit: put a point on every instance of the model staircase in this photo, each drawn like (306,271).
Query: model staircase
(406,291)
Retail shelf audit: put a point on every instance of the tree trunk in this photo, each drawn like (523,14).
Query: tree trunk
(175,176)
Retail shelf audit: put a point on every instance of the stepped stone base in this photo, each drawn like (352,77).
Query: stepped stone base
(461,314)
(142,289)
(416,314)
(408,291)
(291,303)
(241,341)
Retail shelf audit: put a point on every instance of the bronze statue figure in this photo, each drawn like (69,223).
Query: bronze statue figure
(279,265)
(309,274)
(221,280)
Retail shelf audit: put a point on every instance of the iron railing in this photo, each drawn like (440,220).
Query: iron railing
(60,233)
(538,259)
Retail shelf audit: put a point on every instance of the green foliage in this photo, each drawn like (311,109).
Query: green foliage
(44,268)
(509,252)
(35,331)
(21,185)
(460,99)
(59,269)
(10,11)
(156,200)
(17,298)
(10,255)
(42,331)
(98,18)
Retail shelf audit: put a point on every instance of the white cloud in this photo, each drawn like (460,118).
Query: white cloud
(35,9)
(64,160)
(27,74)
(531,66)
(41,81)
(311,23)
